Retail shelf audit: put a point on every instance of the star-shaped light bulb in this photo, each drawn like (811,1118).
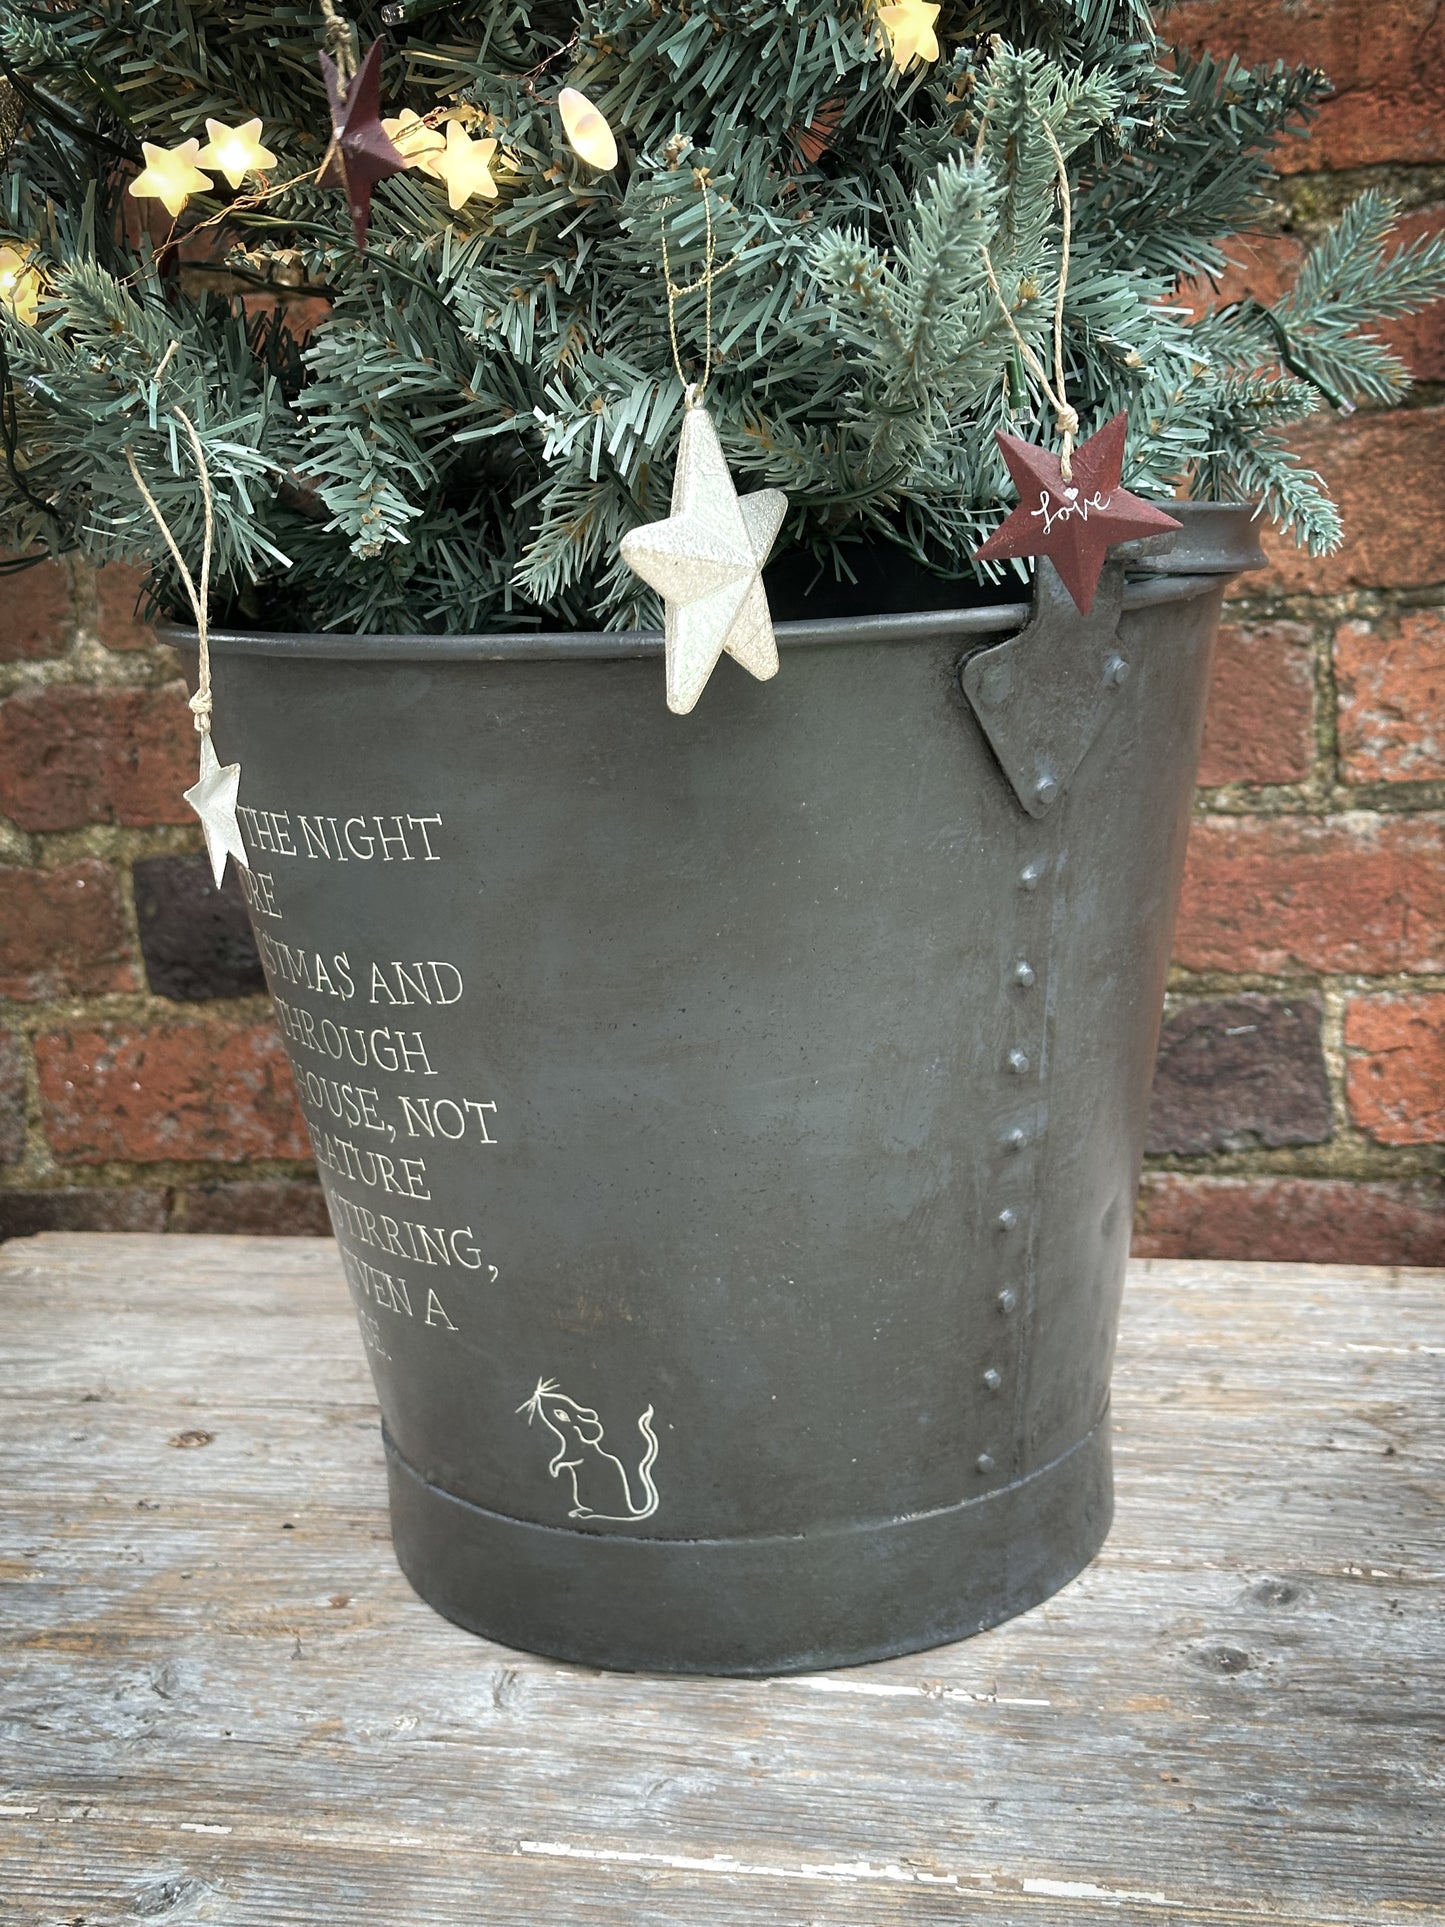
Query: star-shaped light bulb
(20,285)
(909,27)
(235,151)
(706,560)
(170,176)
(585,126)
(419,145)
(213,798)
(1074,521)
(466,167)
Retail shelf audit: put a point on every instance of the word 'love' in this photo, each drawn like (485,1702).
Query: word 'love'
(1075,504)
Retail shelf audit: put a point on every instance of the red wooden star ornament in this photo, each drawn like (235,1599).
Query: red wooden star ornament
(1075,522)
(360,154)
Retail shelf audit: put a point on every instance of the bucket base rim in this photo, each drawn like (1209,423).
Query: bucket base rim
(741,1606)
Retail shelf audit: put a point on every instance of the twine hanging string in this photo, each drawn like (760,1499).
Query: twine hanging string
(199,594)
(340,41)
(693,391)
(1065,417)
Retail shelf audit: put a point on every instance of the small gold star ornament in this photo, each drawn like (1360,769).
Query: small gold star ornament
(419,145)
(585,126)
(171,176)
(465,166)
(909,27)
(235,151)
(20,285)
(213,798)
(706,560)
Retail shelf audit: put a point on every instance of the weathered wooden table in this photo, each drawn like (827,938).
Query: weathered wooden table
(222,1704)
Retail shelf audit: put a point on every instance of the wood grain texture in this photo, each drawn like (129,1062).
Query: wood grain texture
(222,1704)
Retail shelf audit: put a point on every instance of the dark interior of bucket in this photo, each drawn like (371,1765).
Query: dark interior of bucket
(886,581)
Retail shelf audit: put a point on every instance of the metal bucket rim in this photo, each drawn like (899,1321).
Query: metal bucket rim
(1218,539)
(992,619)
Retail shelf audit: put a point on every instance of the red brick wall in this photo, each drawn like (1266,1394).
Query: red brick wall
(1299,1103)
(142,1083)
(1300,1100)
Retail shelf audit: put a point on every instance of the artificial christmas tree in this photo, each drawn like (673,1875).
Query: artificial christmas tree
(491,403)
(764,1085)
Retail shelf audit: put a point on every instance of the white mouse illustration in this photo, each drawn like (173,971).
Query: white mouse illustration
(598,1477)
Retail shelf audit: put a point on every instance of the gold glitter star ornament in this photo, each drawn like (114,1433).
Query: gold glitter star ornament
(213,795)
(213,798)
(706,561)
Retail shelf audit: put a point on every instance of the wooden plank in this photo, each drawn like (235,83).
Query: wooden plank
(222,1703)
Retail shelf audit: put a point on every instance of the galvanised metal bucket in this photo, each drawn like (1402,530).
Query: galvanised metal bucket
(731,1123)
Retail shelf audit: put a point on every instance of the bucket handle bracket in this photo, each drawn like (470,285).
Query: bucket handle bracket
(1043,696)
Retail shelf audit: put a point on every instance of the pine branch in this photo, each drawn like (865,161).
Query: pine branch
(492,401)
